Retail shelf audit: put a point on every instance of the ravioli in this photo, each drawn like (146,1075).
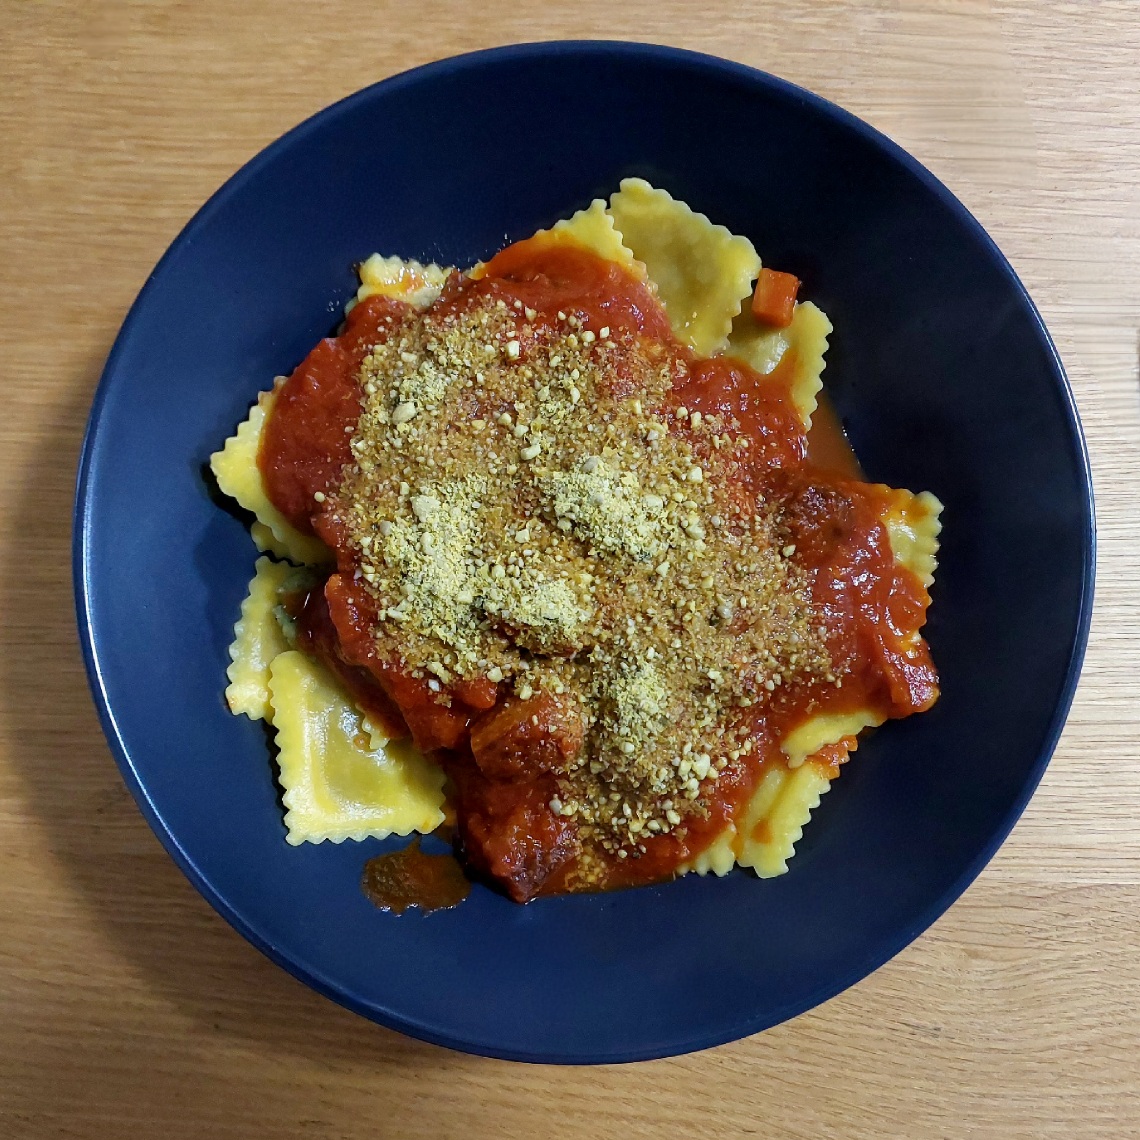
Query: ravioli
(258,638)
(340,781)
(418,285)
(703,273)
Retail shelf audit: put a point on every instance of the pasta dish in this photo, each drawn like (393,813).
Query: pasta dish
(555,550)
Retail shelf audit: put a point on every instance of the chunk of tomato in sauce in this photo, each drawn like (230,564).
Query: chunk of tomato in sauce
(318,637)
(520,739)
(509,831)
(433,722)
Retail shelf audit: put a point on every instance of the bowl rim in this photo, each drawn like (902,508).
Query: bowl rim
(628,52)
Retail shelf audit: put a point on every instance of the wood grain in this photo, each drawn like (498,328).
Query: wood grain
(128,1008)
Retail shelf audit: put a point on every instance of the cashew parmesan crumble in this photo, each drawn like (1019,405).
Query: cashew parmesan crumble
(526,503)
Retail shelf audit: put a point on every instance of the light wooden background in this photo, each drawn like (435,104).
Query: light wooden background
(127,1008)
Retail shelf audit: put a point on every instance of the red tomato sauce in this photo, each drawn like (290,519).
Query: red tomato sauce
(410,877)
(551,275)
(872,608)
(305,442)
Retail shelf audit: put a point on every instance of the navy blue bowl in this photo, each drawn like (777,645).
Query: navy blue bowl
(940,367)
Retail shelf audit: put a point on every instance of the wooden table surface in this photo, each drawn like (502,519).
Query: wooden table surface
(128,1008)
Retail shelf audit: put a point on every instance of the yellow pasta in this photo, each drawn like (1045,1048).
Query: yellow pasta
(338,784)
(765,834)
(258,638)
(594,228)
(769,836)
(266,541)
(702,272)
(913,525)
(418,285)
(235,468)
(763,348)
(824,729)
(718,858)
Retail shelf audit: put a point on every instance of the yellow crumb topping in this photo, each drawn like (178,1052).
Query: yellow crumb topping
(526,504)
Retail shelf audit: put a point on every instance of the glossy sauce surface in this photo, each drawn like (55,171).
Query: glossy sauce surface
(871,606)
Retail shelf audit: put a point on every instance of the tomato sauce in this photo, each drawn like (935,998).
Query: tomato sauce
(411,877)
(306,441)
(871,606)
(828,448)
(551,275)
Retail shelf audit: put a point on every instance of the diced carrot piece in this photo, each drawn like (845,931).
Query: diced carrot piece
(775,298)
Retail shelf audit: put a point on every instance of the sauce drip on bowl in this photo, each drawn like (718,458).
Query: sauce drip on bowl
(411,877)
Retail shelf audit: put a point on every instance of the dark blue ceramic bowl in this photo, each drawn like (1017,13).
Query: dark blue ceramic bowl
(943,374)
